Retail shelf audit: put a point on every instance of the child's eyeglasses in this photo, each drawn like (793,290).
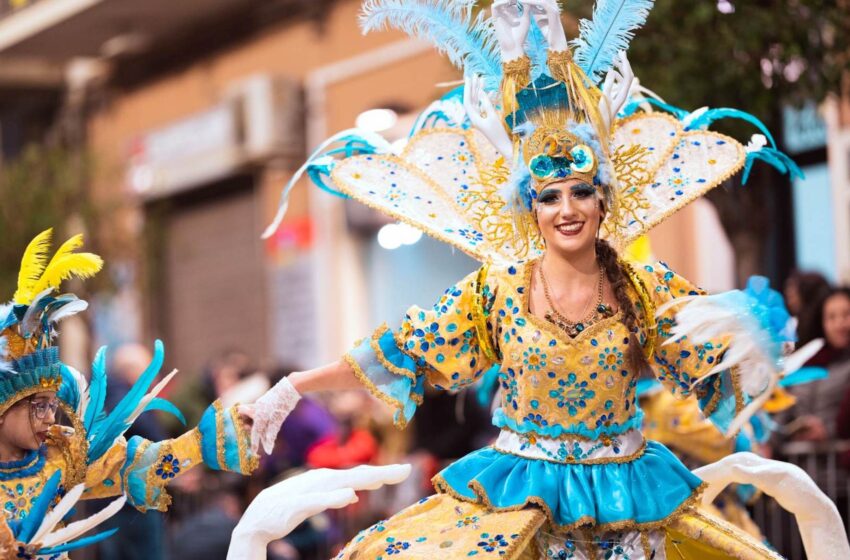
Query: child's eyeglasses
(40,407)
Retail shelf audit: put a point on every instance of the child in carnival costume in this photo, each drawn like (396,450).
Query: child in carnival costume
(544,172)
(35,385)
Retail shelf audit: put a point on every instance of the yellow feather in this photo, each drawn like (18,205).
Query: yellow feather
(69,246)
(81,265)
(32,265)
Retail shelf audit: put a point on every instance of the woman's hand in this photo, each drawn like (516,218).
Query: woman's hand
(547,16)
(268,414)
(511,24)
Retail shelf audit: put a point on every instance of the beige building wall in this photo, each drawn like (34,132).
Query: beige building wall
(352,73)
(343,73)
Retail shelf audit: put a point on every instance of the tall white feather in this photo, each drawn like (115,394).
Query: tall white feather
(151,395)
(58,513)
(78,528)
(706,318)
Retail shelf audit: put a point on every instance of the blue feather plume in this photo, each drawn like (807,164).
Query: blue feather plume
(32,521)
(104,432)
(321,162)
(710,116)
(611,30)
(469,42)
(536,48)
(166,406)
(69,392)
(79,543)
(634,104)
(97,390)
(775,158)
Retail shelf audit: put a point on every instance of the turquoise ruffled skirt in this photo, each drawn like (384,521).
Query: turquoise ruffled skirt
(640,492)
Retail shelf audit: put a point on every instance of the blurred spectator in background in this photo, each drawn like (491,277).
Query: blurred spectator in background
(818,403)
(803,289)
(309,426)
(142,534)
(206,534)
(220,375)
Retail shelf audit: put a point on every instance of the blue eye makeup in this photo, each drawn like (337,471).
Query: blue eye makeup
(582,190)
(548,196)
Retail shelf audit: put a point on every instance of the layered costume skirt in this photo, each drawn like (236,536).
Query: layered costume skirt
(526,496)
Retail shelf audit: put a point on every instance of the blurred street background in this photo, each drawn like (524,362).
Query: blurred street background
(165,131)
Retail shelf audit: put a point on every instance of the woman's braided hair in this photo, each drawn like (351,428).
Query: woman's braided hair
(619,281)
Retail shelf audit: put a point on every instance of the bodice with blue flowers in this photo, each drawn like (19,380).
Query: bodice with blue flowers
(552,385)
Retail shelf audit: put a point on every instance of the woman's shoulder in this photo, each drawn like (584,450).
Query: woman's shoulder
(505,275)
(659,280)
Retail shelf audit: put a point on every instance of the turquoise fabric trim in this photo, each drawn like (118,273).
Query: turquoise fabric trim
(137,484)
(28,466)
(28,373)
(207,428)
(398,388)
(502,420)
(645,490)
(231,443)
(726,410)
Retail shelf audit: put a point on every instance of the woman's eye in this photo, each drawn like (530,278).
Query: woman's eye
(548,198)
(582,193)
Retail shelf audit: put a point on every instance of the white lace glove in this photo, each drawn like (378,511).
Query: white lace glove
(277,510)
(269,412)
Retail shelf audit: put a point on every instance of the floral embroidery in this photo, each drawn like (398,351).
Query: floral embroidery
(395,547)
(510,319)
(572,394)
(19,499)
(468,520)
(508,379)
(534,359)
(169,467)
(493,543)
(429,336)
(611,358)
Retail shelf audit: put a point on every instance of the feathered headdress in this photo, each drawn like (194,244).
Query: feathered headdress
(29,363)
(570,113)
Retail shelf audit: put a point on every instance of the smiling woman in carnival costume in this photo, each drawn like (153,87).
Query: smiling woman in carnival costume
(38,457)
(552,163)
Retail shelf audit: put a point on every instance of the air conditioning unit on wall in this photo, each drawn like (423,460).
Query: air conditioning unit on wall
(271,115)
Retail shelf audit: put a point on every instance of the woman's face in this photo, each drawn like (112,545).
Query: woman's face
(569,214)
(836,320)
(21,426)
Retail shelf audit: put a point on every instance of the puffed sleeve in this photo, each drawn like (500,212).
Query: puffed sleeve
(448,346)
(141,468)
(682,366)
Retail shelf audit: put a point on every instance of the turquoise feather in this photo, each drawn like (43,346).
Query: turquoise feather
(711,116)
(610,31)
(79,543)
(804,375)
(775,158)
(104,432)
(69,392)
(40,506)
(97,390)
(449,25)
(166,406)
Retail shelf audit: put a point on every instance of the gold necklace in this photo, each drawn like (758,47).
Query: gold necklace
(574,328)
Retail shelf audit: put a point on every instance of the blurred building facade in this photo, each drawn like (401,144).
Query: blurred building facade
(197,112)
